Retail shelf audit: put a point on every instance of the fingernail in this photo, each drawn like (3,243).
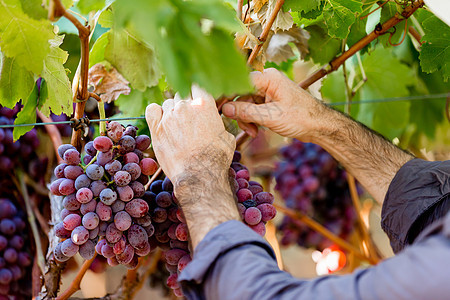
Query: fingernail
(228,110)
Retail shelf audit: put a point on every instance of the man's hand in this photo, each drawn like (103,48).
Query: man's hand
(287,110)
(292,112)
(195,152)
(189,134)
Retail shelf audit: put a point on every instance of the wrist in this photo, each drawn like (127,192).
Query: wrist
(206,202)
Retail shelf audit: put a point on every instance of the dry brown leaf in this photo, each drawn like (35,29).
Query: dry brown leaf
(284,20)
(279,50)
(107,82)
(258,4)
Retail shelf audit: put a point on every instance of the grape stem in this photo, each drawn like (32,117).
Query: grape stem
(300,217)
(31,219)
(75,285)
(91,162)
(101,110)
(153,178)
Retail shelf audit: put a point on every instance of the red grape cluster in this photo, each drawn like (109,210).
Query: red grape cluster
(171,232)
(310,181)
(103,206)
(14,255)
(21,152)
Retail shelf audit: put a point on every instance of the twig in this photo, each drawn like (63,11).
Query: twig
(262,38)
(403,38)
(447,108)
(31,219)
(240,3)
(39,189)
(153,178)
(372,250)
(323,231)
(53,132)
(415,34)
(151,269)
(379,6)
(379,30)
(75,285)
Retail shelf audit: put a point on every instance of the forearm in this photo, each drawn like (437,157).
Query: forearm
(205,196)
(369,157)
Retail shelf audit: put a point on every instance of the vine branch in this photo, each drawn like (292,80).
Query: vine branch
(75,285)
(379,30)
(81,93)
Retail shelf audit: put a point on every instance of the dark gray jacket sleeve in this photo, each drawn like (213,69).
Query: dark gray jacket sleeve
(417,196)
(232,262)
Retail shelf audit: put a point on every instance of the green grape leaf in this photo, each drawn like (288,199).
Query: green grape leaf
(58,91)
(313,14)
(67,3)
(86,6)
(301,5)
(34,9)
(387,77)
(16,82)
(340,15)
(333,87)
(97,53)
(23,37)
(134,104)
(139,65)
(106,19)
(322,47)
(357,32)
(435,53)
(27,115)
(193,42)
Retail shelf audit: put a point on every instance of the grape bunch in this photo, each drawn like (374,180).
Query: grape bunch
(15,258)
(103,206)
(21,152)
(310,180)
(171,232)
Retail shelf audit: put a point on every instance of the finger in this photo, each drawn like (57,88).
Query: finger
(247,112)
(250,128)
(262,80)
(153,115)
(199,93)
(177,97)
(168,105)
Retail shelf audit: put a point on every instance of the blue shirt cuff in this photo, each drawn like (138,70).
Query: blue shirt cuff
(220,240)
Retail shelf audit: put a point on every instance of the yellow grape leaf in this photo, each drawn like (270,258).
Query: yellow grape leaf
(283,21)
(279,48)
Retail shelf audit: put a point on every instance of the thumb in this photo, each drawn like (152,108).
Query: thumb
(247,112)
(153,115)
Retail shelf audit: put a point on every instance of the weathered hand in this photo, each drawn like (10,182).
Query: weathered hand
(195,152)
(189,135)
(287,109)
